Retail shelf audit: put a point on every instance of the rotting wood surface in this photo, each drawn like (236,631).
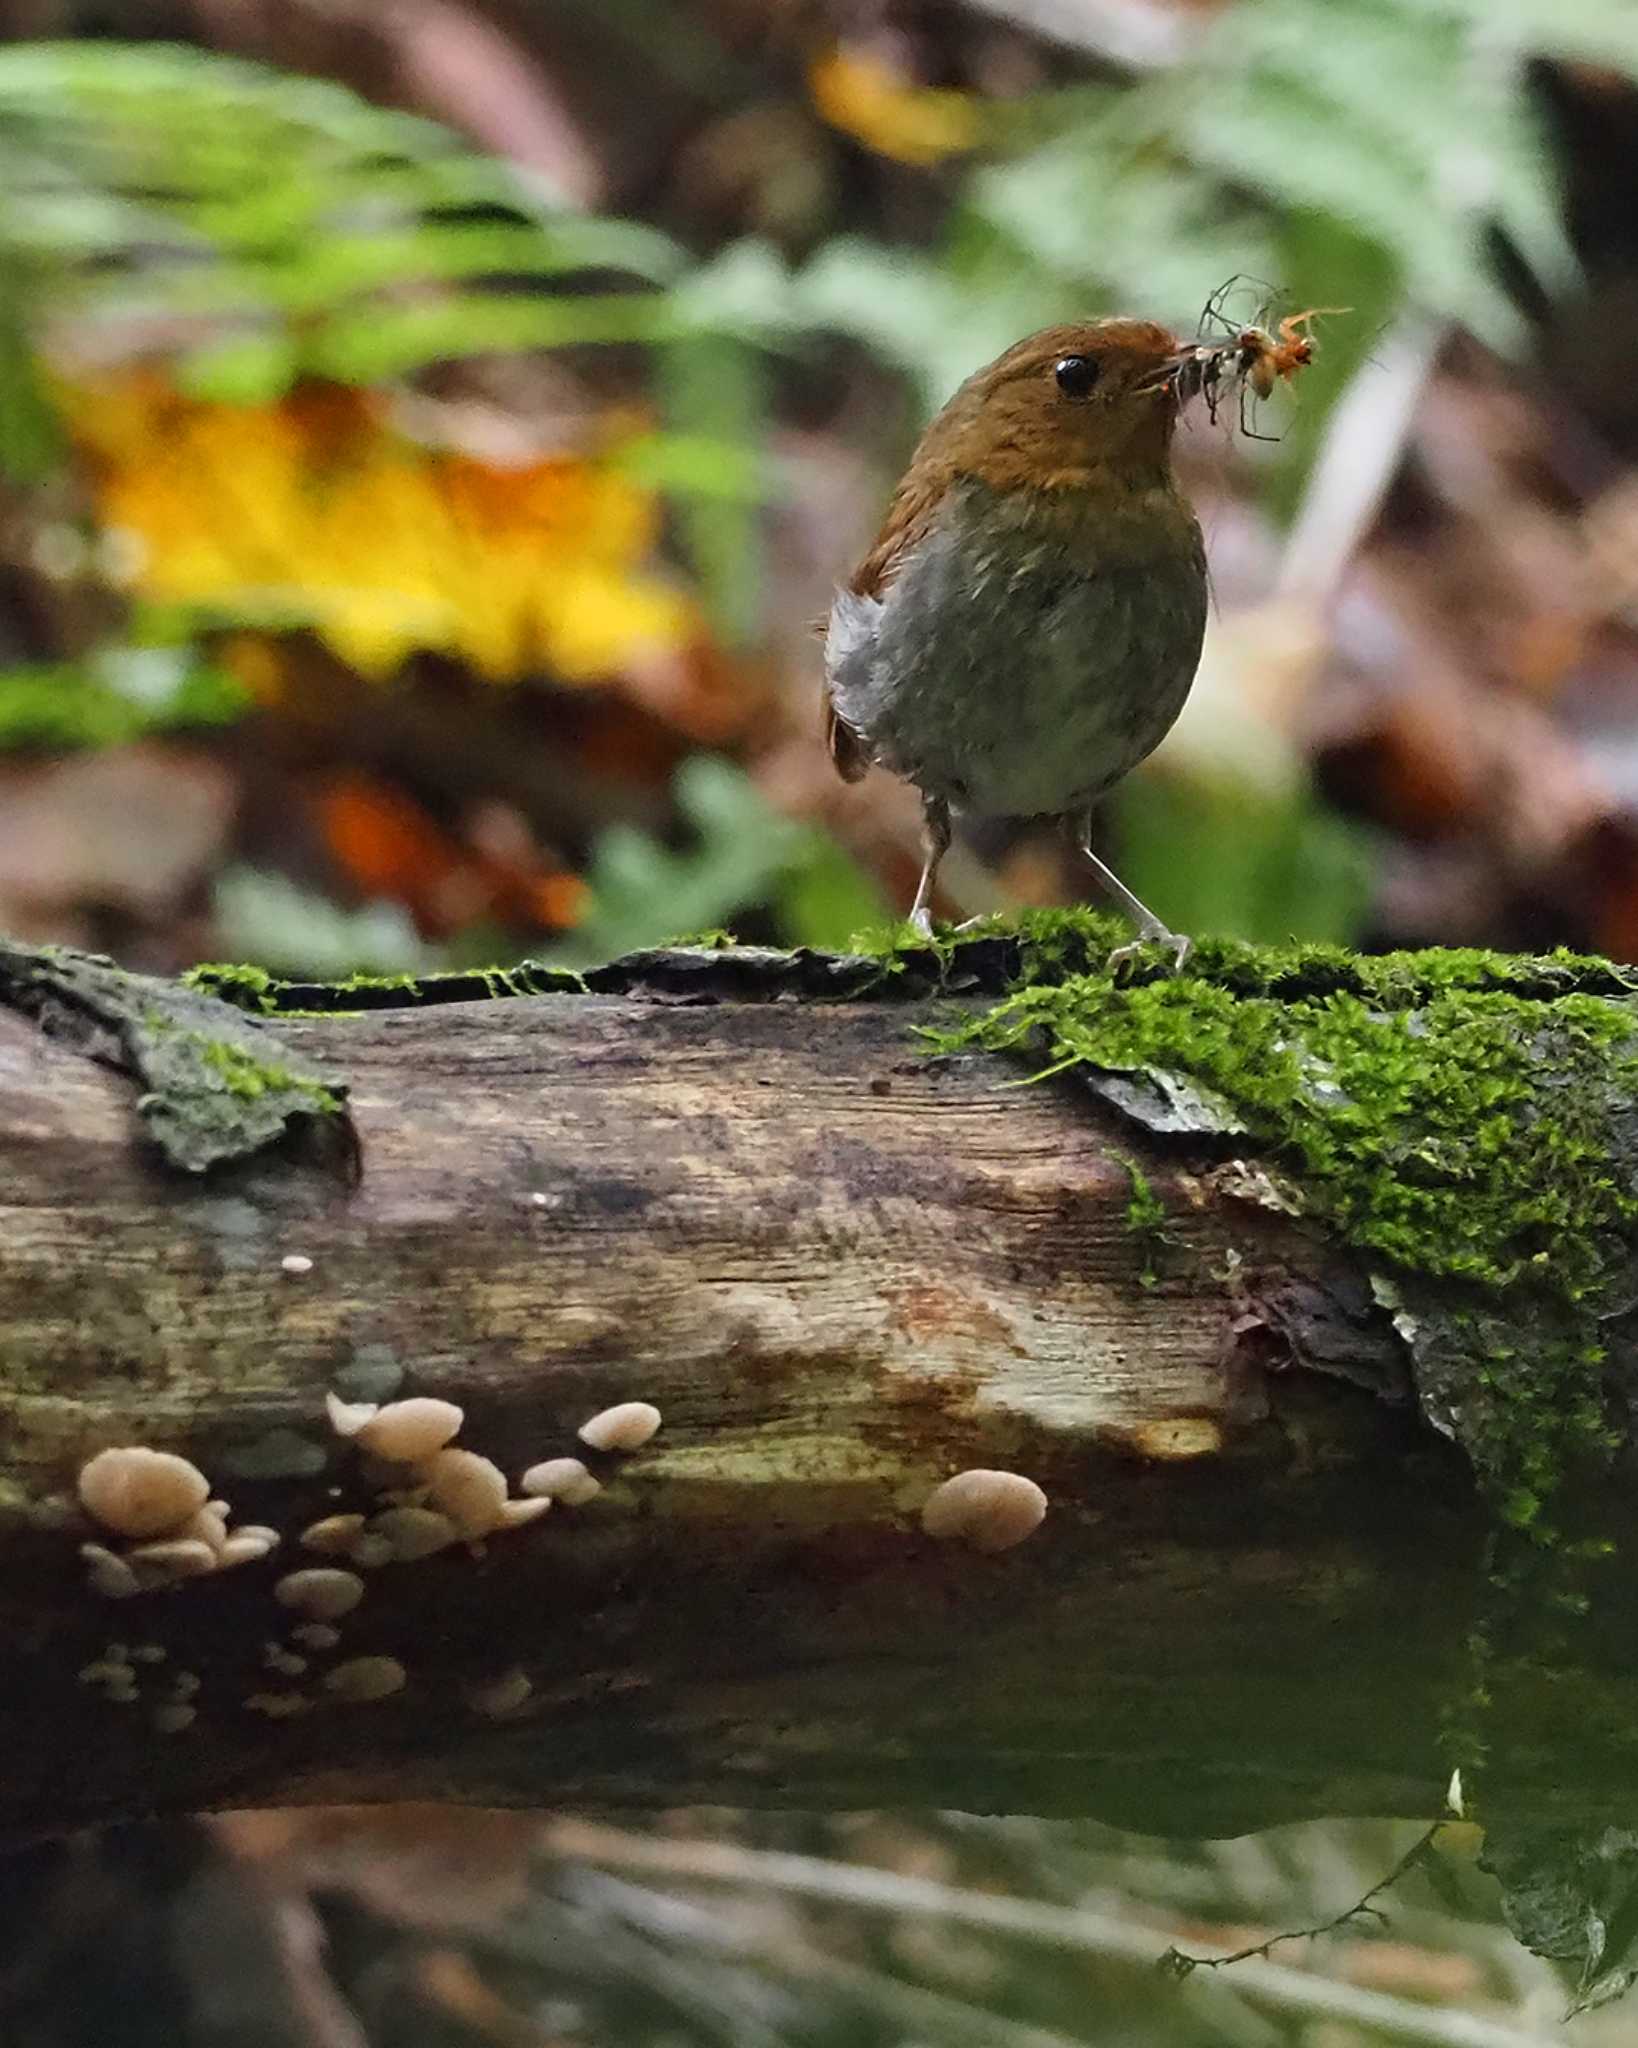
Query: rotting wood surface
(843,1270)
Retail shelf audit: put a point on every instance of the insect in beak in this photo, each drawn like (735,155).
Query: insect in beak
(1179,374)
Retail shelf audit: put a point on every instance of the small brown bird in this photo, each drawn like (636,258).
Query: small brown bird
(1027,626)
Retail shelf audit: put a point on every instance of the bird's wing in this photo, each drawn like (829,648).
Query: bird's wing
(849,753)
(849,635)
(853,616)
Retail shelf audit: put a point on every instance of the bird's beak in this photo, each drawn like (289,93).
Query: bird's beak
(1175,374)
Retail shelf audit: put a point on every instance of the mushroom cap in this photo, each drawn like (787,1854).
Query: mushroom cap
(278,1706)
(365,1678)
(182,1557)
(207,1525)
(988,1510)
(499,1697)
(625,1427)
(413,1532)
(140,1492)
(321,1592)
(561,1479)
(334,1535)
(109,1575)
(470,1490)
(405,1432)
(248,1545)
(347,1418)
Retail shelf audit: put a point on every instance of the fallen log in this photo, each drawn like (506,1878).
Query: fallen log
(1271,1424)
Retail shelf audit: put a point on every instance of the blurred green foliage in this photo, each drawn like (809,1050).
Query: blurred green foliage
(113,696)
(1268,866)
(31,442)
(1363,153)
(297,229)
(269,920)
(741,854)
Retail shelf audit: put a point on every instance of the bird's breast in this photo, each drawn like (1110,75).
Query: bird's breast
(1019,664)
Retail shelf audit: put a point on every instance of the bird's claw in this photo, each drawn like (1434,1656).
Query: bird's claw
(1177,944)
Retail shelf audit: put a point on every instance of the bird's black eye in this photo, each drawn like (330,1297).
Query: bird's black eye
(1076,375)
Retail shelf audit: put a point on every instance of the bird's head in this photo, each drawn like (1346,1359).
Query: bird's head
(1062,406)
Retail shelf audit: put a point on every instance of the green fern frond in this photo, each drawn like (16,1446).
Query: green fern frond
(1407,122)
(280,225)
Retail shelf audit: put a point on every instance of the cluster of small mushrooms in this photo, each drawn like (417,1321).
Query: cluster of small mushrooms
(160,1527)
(161,1505)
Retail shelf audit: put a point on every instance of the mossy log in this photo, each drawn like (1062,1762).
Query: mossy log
(844,1266)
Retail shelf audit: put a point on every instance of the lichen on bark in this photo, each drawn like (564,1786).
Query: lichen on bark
(217,1086)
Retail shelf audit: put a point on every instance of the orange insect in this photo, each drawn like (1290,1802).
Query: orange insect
(1265,358)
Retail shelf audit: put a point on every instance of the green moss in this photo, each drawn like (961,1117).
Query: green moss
(1146,1220)
(1055,945)
(263,994)
(897,944)
(503,982)
(354,984)
(214,1089)
(250,1078)
(1423,1131)
(247,988)
(1459,1116)
(91,704)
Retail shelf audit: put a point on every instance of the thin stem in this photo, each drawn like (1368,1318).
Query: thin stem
(1175,1961)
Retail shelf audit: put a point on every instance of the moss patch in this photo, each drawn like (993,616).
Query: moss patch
(1459,1116)
(244,1074)
(263,994)
(1146,1220)
(247,988)
(217,1086)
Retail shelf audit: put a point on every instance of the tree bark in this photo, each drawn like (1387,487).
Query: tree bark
(844,1270)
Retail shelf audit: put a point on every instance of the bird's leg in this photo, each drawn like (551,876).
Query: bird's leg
(1151,932)
(935,839)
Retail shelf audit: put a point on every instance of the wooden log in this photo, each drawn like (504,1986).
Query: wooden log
(843,1270)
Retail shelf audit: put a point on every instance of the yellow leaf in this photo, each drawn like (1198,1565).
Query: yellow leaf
(316,507)
(914,124)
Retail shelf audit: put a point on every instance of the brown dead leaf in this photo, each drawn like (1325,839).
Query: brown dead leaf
(133,829)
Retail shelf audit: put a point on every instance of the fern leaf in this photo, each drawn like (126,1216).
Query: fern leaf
(281,225)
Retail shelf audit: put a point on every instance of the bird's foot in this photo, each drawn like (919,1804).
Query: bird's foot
(1177,944)
(921,920)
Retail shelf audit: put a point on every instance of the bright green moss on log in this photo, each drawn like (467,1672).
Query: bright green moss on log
(1422,1131)
(1460,1117)
(263,994)
(1146,1220)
